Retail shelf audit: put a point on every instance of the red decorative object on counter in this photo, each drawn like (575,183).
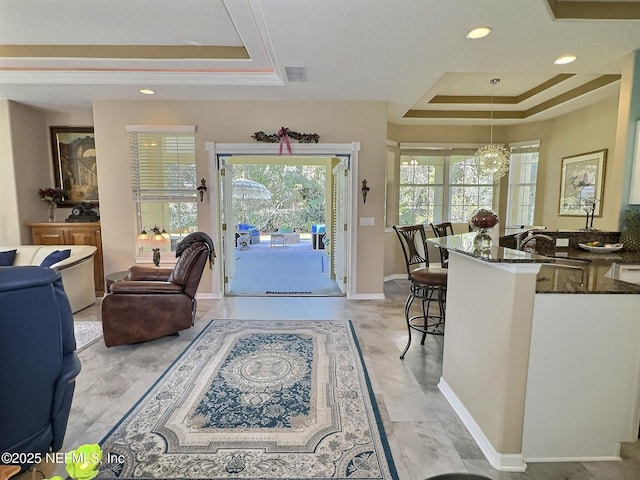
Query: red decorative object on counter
(484,218)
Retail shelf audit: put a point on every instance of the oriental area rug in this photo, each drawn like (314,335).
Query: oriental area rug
(86,333)
(253,400)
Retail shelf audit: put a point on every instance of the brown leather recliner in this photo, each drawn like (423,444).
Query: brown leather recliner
(153,302)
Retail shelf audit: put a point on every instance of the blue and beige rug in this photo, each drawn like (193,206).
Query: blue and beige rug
(257,399)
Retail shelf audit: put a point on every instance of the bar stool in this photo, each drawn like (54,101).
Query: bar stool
(442,230)
(427,283)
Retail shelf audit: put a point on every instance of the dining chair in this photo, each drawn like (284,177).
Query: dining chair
(428,284)
(442,230)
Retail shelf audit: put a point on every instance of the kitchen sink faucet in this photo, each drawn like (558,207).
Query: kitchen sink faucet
(522,242)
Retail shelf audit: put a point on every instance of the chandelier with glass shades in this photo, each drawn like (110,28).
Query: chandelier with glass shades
(493,158)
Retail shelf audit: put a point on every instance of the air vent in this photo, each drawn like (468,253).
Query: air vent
(295,74)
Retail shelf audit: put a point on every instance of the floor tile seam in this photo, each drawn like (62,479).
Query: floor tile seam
(406,455)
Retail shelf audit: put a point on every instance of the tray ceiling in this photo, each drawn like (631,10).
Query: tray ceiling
(64,54)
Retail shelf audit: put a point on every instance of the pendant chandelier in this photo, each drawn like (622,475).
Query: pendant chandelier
(493,158)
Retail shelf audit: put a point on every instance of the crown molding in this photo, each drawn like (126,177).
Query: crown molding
(156,52)
(562,9)
(514,114)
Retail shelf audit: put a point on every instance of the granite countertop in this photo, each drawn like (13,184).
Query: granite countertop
(591,279)
(463,243)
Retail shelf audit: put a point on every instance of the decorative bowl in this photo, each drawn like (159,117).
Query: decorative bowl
(605,247)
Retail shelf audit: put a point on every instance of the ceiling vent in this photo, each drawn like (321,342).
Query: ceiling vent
(295,74)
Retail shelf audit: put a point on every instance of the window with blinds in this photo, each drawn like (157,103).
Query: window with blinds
(163,173)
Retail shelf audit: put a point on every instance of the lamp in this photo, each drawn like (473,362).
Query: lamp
(155,237)
(494,158)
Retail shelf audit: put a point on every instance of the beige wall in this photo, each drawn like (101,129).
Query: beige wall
(592,128)
(486,348)
(234,122)
(9,218)
(585,130)
(24,170)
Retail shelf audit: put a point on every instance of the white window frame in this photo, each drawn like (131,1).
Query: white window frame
(447,150)
(518,150)
(157,194)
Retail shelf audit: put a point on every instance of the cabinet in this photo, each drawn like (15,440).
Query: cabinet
(73,234)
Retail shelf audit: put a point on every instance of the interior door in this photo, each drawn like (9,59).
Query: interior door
(339,223)
(228,222)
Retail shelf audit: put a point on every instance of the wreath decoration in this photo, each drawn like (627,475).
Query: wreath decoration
(286,133)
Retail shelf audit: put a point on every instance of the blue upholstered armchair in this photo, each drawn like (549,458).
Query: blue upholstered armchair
(38,363)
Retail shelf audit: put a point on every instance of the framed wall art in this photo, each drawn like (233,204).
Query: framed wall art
(582,183)
(74,164)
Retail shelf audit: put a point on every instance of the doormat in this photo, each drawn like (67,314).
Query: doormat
(254,400)
(287,293)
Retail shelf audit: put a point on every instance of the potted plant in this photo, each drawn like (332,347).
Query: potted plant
(52,196)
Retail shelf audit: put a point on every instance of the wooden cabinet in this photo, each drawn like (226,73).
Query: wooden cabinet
(73,234)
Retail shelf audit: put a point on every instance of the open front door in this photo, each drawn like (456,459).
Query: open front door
(228,222)
(339,223)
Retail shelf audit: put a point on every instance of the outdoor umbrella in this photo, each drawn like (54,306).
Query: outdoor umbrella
(248,189)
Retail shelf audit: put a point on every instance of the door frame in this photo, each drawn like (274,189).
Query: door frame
(300,149)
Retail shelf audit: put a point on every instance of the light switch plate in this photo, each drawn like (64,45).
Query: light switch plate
(562,242)
(367,221)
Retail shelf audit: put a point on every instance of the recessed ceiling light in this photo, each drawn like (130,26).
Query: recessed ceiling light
(147,91)
(564,59)
(479,32)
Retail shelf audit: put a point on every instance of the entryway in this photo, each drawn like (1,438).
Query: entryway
(271,267)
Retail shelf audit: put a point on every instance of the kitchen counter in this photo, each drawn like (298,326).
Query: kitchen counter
(592,279)
(519,353)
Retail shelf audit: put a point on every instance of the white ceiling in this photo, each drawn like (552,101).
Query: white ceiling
(401,52)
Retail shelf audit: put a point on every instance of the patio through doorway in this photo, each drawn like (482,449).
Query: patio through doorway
(283,266)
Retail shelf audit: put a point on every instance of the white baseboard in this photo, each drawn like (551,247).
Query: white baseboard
(208,296)
(395,276)
(574,459)
(366,296)
(500,461)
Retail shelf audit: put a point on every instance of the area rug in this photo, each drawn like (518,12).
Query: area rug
(87,333)
(253,400)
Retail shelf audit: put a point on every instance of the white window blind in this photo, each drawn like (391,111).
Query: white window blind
(163,164)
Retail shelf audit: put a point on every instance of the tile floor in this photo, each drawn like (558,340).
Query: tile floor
(425,435)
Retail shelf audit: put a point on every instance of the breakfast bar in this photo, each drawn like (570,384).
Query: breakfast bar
(541,354)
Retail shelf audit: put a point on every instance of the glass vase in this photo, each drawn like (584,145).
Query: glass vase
(482,241)
(52,212)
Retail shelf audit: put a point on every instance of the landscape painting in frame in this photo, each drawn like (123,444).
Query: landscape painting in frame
(74,164)
(582,182)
